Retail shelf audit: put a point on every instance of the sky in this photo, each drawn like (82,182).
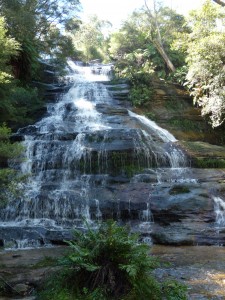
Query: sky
(116,11)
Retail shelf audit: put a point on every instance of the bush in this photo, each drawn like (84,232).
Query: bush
(139,95)
(10,178)
(108,263)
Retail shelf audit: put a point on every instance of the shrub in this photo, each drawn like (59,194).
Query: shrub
(10,178)
(108,263)
(141,94)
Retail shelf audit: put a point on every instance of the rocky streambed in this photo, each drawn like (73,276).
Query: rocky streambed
(201,268)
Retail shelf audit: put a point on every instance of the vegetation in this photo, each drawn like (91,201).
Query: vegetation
(109,263)
(33,24)
(154,41)
(157,41)
(207,163)
(142,49)
(29,32)
(91,39)
(9,178)
(205,58)
(179,189)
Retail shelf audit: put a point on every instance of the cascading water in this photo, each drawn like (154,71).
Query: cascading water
(219,208)
(85,157)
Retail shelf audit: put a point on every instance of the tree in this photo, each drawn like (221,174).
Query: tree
(206,61)
(38,26)
(134,47)
(91,38)
(9,48)
(30,30)
(155,35)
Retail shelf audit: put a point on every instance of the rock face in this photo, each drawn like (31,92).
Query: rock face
(172,108)
(91,157)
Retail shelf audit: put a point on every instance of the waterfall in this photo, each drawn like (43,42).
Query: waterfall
(163,133)
(85,157)
(219,208)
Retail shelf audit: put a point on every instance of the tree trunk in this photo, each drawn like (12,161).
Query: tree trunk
(164,55)
(157,41)
(220,2)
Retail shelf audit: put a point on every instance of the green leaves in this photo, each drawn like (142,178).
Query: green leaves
(206,61)
(91,39)
(106,263)
(10,179)
(9,47)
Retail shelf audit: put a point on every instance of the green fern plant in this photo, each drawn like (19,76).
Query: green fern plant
(108,263)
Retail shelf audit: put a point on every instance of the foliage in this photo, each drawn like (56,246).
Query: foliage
(30,29)
(35,24)
(9,178)
(179,76)
(91,39)
(109,263)
(206,60)
(134,46)
(140,94)
(174,290)
(19,104)
(26,102)
(9,47)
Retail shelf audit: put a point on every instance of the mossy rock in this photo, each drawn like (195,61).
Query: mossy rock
(179,189)
(202,162)
(205,155)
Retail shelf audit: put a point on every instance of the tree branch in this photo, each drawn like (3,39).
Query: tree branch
(220,2)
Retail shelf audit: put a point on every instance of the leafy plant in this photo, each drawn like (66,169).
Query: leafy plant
(9,178)
(140,94)
(108,263)
(174,290)
(204,47)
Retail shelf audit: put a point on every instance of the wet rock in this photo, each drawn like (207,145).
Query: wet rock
(111,110)
(21,288)
(28,130)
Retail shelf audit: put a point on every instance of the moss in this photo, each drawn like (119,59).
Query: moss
(205,155)
(209,163)
(131,170)
(46,262)
(172,103)
(179,189)
(151,116)
(185,124)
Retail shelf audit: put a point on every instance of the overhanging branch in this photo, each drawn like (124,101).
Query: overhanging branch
(220,2)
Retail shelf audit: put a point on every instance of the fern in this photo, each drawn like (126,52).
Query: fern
(109,263)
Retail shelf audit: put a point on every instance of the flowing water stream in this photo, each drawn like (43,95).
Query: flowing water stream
(85,157)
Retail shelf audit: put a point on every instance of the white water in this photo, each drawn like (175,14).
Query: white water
(219,208)
(165,135)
